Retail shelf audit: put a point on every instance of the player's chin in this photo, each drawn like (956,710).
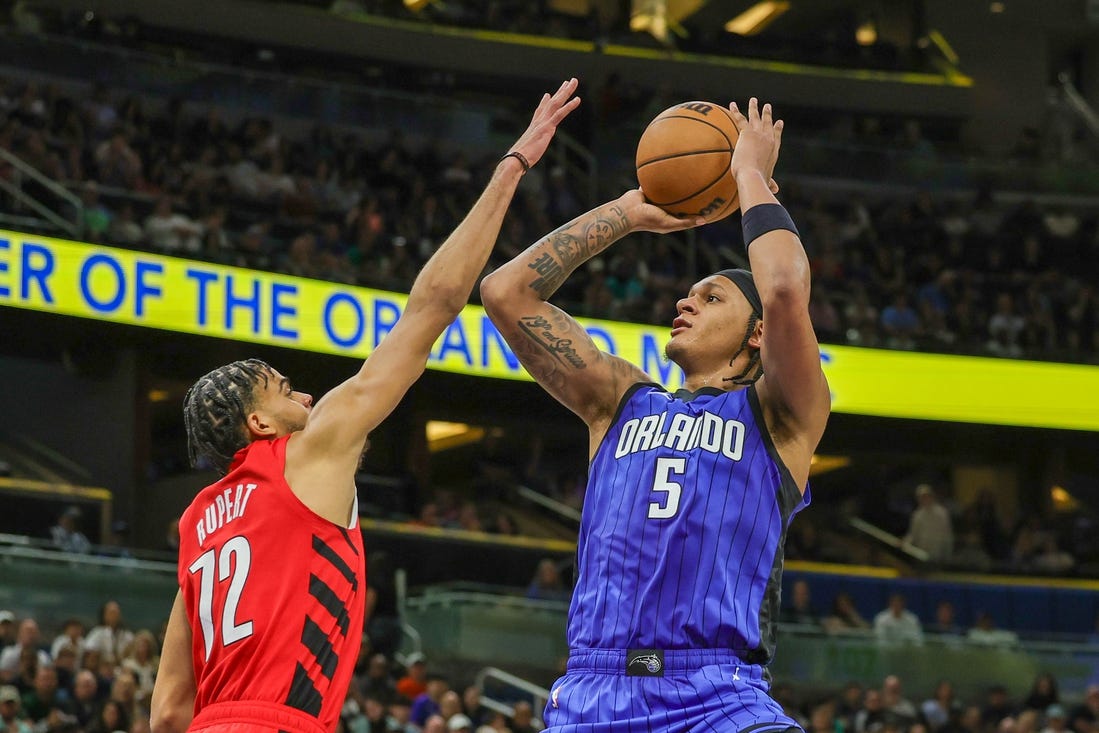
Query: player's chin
(673,349)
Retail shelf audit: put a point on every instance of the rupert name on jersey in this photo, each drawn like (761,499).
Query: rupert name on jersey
(226,507)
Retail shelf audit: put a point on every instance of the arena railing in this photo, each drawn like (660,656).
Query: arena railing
(49,585)
(527,639)
(65,212)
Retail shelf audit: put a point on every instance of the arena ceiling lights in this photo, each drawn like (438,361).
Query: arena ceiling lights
(756,18)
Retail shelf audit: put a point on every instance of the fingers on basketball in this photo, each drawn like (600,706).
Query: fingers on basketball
(683,161)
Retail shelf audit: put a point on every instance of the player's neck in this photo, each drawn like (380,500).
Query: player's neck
(717,379)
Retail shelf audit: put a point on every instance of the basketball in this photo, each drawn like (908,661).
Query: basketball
(683,161)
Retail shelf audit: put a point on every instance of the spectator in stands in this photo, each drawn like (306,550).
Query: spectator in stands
(997,706)
(983,514)
(64,663)
(414,682)
(900,323)
(473,707)
(111,637)
(800,608)
(112,717)
(124,692)
(522,719)
(969,721)
(1056,719)
(118,164)
(849,702)
(171,537)
(930,527)
(942,707)
(971,554)
(46,696)
(845,617)
(96,217)
(497,723)
(142,659)
(1043,693)
(29,640)
(11,719)
(899,709)
(72,636)
(66,534)
(86,698)
(459,723)
(469,518)
(945,624)
(1027,721)
(377,680)
(822,717)
(169,232)
(1051,559)
(984,632)
(1085,716)
(435,724)
(450,704)
(8,631)
(27,670)
(896,624)
(383,623)
(123,229)
(871,716)
(374,713)
(426,704)
(400,713)
(546,585)
(1005,328)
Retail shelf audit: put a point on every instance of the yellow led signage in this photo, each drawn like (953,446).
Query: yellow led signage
(143,289)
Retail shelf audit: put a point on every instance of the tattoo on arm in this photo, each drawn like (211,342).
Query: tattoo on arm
(539,330)
(569,251)
(605,230)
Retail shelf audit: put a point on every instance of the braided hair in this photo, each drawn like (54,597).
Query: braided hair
(744,280)
(215,409)
(754,364)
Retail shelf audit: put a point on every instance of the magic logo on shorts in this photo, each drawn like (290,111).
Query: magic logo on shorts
(705,431)
(645,662)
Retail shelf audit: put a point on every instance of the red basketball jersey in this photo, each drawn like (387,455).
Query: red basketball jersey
(274,593)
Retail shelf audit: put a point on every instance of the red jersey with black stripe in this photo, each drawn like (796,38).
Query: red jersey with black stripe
(274,593)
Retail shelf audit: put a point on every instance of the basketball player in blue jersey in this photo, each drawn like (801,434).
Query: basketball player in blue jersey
(690,494)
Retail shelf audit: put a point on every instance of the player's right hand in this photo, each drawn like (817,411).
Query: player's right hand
(646,217)
(551,111)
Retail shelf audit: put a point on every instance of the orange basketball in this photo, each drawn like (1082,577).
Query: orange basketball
(683,161)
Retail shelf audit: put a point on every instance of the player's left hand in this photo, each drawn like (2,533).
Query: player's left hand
(758,142)
(551,111)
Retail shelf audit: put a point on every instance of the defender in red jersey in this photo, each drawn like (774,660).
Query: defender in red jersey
(266,626)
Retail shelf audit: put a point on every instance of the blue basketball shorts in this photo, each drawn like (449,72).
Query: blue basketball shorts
(624,691)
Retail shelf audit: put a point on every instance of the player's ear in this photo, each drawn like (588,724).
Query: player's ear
(258,425)
(756,339)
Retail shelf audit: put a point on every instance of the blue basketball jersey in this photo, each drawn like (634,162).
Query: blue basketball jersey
(684,521)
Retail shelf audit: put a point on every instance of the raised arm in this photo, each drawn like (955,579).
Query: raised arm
(793,391)
(323,456)
(553,347)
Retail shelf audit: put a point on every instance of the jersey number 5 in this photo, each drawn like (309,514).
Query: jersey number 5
(661,482)
(238,549)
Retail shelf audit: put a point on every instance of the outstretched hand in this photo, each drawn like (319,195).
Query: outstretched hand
(646,217)
(551,111)
(759,140)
